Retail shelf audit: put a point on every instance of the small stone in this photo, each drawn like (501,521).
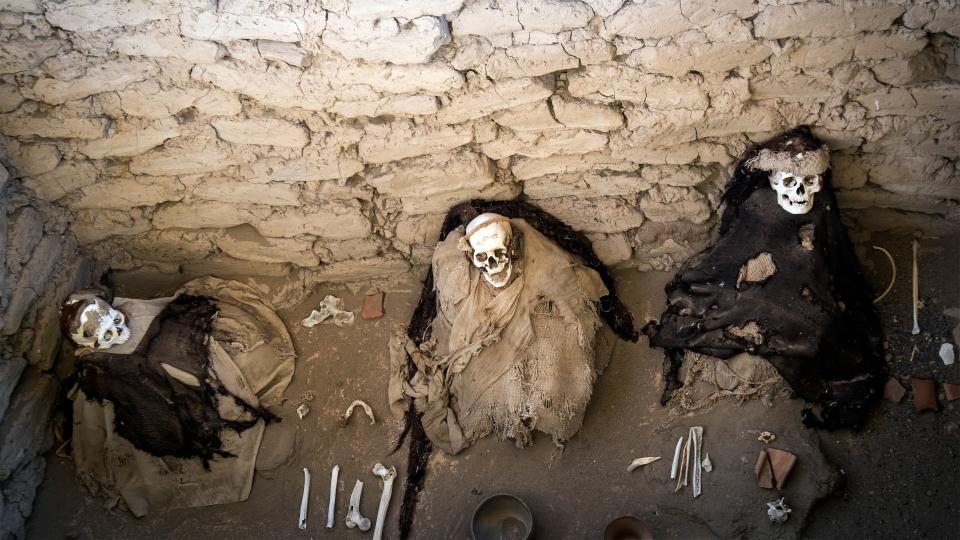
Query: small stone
(947,354)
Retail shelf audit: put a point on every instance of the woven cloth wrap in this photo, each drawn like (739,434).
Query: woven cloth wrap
(251,354)
(507,360)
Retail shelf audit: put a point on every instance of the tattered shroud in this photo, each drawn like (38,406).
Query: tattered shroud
(611,310)
(156,413)
(815,313)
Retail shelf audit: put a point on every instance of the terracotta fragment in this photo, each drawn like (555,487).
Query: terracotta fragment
(952,391)
(894,391)
(372,306)
(773,467)
(924,394)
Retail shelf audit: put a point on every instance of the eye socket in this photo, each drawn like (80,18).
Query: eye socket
(118,320)
(810,181)
(87,334)
(499,253)
(480,257)
(789,180)
(108,335)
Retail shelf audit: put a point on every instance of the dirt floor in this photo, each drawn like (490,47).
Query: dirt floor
(895,479)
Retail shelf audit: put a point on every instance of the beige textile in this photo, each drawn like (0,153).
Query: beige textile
(507,360)
(251,353)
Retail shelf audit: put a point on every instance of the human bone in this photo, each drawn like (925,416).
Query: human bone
(640,462)
(489,236)
(366,408)
(354,519)
(98,325)
(388,475)
(676,458)
(947,354)
(330,308)
(303,410)
(778,511)
(331,508)
(916,289)
(766,437)
(304,500)
(707,464)
(795,192)
(696,438)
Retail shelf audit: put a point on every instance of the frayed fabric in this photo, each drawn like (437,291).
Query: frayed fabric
(420,330)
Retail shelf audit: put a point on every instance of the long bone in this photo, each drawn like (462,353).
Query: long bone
(354,519)
(334,474)
(304,500)
(387,475)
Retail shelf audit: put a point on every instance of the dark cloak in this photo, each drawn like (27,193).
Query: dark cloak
(813,318)
(611,309)
(155,412)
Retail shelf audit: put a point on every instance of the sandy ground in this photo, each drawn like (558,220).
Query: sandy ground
(895,479)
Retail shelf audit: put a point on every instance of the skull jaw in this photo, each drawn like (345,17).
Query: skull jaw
(499,279)
(796,206)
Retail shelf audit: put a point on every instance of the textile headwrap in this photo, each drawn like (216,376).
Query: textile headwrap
(802,163)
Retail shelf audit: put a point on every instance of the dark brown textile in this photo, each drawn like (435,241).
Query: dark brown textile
(158,414)
(812,317)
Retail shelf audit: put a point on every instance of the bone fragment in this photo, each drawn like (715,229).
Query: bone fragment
(916,289)
(947,354)
(330,308)
(388,476)
(180,375)
(766,437)
(354,519)
(893,277)
(707,464)
(684,466)
(334,474)
(366,409)
(696,438)
(676,459)
(303,410)
(640,462)
(305,500)
(778,511)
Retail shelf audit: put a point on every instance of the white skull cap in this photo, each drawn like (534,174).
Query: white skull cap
(482,221)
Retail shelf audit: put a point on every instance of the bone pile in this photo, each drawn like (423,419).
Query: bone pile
(354,519)
(685,472)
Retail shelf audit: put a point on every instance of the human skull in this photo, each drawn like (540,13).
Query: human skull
(96,324)
(489,236)
(795,192)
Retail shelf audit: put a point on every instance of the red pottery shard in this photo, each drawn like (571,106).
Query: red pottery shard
(894,391)
(952,391)
(924,394)
(372,306)
(774,467)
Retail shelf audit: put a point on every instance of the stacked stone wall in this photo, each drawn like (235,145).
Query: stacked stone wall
(41,265)
(330,136)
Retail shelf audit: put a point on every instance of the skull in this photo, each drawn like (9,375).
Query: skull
(489,236)
(794,192)
(95,323)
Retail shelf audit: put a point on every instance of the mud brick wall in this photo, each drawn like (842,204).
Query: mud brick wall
(41,265)
(328,137)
